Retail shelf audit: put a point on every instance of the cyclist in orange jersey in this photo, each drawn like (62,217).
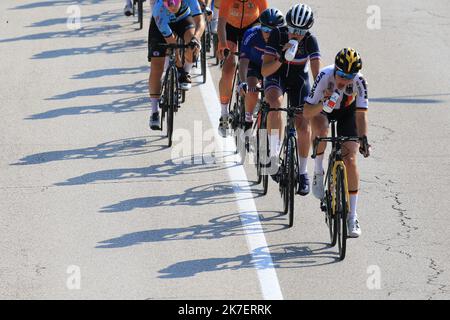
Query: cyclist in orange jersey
(235,17)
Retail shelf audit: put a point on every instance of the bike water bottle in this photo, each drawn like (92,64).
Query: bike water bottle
(329,105)
(292,51)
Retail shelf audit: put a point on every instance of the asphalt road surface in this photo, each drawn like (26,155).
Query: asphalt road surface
(95,206)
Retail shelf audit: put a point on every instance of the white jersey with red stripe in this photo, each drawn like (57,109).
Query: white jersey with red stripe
(356,91)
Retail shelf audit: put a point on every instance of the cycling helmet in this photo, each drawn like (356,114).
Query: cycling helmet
(348,60)
(272,17)
(300,16)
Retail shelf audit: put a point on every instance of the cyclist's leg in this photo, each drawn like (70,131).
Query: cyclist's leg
(298,95)
(347,127)
(226,80)
(185,29)
(157,56)
(320,126)
(274,91)
(251,98)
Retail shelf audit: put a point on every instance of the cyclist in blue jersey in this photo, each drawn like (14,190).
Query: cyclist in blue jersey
(172,18)
(281,74)
(250,60)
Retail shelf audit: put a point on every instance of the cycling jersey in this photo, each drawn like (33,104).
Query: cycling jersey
(253,46)
(164,17)
(308,48)
(241,14)
(354,94)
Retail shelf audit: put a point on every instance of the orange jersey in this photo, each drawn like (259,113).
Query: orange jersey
(241,13)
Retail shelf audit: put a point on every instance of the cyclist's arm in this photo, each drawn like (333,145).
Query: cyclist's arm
(311,110)
(171,39)
(271,56)
(362,104)
(197,15)
(222,23)
(361,122)
(270,65)
(222,32)
(313,102)
(315,67)
(199,26)
(162,22)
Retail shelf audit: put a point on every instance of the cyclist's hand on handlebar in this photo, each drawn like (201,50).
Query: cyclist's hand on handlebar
(365,148)
(223,52)
(194,43)
(208,11)
(243,88)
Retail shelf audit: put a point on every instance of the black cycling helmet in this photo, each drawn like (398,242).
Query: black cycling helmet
(300,16)
(348,60)
(272,17)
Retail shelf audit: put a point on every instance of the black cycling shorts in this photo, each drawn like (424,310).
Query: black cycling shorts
(254,71)
(155,37)
(346,120)
(235,34)
(298,87)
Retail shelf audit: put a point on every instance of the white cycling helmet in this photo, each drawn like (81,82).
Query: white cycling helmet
(300,16)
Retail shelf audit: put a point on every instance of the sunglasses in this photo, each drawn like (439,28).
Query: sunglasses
(266,29)
(348,76)
(297,31)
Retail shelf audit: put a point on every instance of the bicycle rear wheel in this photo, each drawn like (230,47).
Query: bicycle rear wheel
(341,212)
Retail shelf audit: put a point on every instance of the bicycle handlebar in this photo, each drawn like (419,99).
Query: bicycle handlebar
(227,52)
(339,140)
(296,110)
(175,45)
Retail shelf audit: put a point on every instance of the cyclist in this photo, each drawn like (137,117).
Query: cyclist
(171,18)
(281,74)
(350,111)
(236,17)
(250,60)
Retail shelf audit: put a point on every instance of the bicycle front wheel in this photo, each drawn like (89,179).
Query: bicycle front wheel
(291,175)
(341,211)
(172,104)
(203,57)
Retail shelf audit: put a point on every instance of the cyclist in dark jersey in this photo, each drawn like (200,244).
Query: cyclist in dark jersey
(250,60)
(281,74)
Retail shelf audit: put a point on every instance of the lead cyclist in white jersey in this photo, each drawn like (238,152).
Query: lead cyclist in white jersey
(350,110)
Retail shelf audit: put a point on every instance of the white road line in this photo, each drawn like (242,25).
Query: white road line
(267,275)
